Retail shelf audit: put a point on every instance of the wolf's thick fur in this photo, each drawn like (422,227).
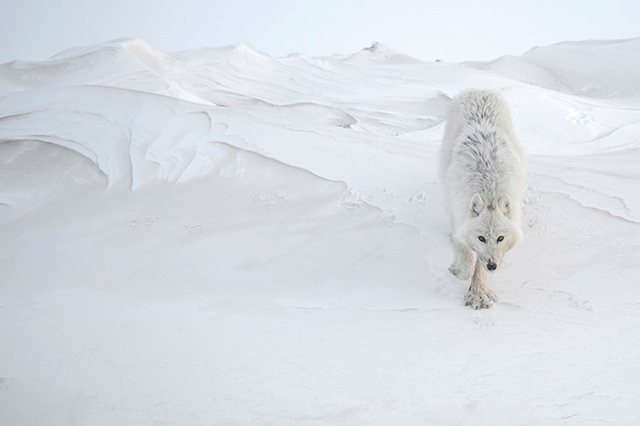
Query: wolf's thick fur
(484,173)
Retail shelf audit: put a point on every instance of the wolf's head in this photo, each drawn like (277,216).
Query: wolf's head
(489,230)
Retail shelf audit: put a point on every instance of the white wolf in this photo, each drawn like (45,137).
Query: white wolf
(484,173)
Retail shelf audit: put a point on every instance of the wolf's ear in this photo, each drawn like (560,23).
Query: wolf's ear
(504,205)
(476,206)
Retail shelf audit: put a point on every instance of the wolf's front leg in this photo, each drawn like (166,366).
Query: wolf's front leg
(479,295)
(462,265)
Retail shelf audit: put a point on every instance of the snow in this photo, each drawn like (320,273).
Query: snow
(217,236)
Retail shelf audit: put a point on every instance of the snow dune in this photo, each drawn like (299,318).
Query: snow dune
(217,236)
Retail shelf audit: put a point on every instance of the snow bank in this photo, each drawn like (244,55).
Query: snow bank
(597,69)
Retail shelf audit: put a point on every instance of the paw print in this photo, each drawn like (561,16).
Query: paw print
(579,116)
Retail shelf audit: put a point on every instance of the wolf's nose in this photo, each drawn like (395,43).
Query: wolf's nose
(491,266)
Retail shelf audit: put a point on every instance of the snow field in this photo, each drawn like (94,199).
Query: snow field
(221,237)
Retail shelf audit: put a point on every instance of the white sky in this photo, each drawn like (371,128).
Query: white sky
(456,30)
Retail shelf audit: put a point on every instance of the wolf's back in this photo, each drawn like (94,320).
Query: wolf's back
(484,108)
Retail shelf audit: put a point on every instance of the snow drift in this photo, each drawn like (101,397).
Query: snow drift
(217,236)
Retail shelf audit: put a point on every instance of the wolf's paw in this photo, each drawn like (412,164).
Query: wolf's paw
(480,299)
(462,272)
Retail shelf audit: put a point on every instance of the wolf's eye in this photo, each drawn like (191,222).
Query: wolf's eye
(481,238)
(500,238)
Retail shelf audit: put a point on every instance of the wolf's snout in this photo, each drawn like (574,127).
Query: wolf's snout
(491,266)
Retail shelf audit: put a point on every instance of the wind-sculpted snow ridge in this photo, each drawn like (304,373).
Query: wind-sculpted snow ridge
(132,137)
(378,54)
(218,236)
(593,69)
(390,104)
(99,101)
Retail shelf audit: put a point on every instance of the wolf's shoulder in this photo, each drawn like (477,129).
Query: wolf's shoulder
(482,108)
(479,104)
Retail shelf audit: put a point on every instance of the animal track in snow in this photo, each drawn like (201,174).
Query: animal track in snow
(579,116)
(280,198)
(352,199)
(195,226)
(419,197)
(147,221)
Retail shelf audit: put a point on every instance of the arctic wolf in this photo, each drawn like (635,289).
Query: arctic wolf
(483,170)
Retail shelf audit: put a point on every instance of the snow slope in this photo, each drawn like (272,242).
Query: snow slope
(217,236)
